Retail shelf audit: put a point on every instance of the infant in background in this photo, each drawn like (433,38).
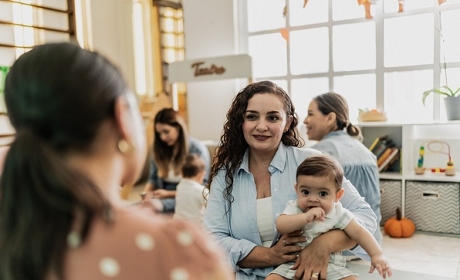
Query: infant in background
(190,193)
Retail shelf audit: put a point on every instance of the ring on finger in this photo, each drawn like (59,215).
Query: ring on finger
(315,275)
(284,242)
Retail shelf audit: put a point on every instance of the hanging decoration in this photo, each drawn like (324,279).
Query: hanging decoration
(306,1)
(367,7)
(367,10)
(400,6)
(283,31)
(285,34)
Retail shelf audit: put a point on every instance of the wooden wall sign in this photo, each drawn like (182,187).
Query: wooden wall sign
(213,68)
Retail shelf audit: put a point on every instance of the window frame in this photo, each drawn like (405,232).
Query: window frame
(71,21)
(378,17)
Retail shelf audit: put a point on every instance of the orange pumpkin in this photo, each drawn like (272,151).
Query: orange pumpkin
(398,226)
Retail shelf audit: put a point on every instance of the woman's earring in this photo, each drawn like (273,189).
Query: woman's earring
(125,147)
(74,239)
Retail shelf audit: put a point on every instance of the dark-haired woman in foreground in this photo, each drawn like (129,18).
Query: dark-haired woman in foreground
(79,137)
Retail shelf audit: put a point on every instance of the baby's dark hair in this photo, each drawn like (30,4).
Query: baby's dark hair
(193,164)
(322,165)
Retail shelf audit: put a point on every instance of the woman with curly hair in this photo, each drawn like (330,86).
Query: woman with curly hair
(252,178)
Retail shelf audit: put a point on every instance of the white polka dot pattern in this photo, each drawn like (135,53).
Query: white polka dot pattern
(179,274)
(144,241)
(109,267)
(184,238)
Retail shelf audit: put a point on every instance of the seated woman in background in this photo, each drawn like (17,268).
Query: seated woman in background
(328,122)
(79,137)
(171,145)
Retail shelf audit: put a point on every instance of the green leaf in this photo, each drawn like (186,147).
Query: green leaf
(449,91)
(457,91)
(438,91)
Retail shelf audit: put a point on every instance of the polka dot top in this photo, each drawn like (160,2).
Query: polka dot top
(142,245)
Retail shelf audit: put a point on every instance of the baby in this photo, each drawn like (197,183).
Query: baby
(190,193)
(318,210)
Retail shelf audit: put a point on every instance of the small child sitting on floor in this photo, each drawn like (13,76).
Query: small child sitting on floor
(190,193)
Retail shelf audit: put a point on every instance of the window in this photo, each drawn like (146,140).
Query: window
(172,34)
(27,23)
(386,62)
(172,45)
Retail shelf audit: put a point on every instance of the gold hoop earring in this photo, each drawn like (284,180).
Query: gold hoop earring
(125,147)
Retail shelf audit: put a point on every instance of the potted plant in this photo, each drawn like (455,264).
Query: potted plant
(444,90)
(452,100)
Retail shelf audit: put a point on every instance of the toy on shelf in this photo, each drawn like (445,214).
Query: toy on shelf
(449,170)
(420,169)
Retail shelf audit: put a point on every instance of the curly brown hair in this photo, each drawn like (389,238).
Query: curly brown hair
(232,146)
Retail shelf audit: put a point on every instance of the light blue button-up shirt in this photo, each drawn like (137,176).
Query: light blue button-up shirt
(236,230)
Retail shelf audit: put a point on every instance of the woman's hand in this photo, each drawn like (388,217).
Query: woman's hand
(314,258)
(283,251)
(145,196)
(286,249)
(162,193)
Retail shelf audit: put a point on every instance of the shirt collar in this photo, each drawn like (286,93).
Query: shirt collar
(278,161)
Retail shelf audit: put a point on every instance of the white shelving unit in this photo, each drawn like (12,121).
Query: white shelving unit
(409,138)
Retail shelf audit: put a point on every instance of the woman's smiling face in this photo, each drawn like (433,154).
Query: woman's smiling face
(318,124)
(265,122)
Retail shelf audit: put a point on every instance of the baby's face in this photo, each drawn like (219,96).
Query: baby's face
(315,192)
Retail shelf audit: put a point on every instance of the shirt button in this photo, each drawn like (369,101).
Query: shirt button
(275,190)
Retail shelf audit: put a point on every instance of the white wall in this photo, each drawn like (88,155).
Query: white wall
(209,31)
(111,33)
